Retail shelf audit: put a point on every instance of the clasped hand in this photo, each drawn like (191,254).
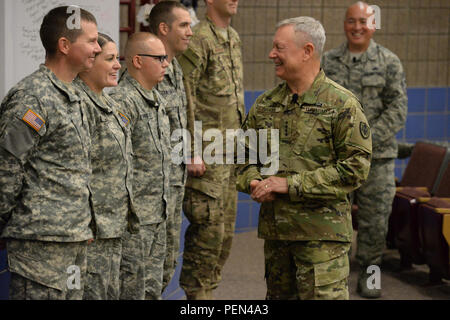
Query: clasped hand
(267,189)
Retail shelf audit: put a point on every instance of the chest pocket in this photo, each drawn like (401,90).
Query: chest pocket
(314,133)
(117,133)
(152,124)
(219,71)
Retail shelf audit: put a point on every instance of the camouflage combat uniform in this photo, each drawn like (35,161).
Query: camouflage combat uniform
(213,71)
(150,137)
(44,195)
(324,152)
(172,90)
(378,80)
(111,186)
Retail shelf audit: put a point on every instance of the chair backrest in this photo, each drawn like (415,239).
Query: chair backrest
(424,165)
(442,185)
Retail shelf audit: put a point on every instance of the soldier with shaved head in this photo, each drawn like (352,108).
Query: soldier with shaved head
(375,75)
(144,253)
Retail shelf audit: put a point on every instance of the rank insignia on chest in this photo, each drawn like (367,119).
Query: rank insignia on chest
(33,120)
(124,118)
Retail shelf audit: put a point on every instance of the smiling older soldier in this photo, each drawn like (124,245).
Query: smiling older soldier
(324,153)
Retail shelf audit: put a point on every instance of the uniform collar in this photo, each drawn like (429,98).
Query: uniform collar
(285,96)
(94,96)
(215,30)
(148,95)
(176,76)
(343,54)
(66,88)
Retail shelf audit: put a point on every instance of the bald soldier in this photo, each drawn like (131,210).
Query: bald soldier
(375,75)
(144,254)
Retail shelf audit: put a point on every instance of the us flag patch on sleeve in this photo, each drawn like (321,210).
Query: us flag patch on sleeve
(33,120)
(124,118)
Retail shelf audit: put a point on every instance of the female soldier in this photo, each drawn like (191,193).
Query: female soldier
(111,198)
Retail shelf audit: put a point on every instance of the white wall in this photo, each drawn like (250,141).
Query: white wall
(21,51)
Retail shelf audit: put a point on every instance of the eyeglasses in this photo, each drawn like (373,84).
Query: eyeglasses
(160,58)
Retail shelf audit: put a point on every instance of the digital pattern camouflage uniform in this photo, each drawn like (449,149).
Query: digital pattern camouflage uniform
(44,174)
(172,90)
(378,80)
(213,71)
(111,186)
(150,137)
(324,152)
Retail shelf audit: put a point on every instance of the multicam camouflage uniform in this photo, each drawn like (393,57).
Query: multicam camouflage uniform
(150,137)
(111,192)
(212,67)
(324,152)
(44,194)
(172,90)
(378,80)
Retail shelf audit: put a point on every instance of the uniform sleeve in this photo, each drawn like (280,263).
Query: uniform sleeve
(247,171)
(22,124)
(353,149)
(395,102)
(193,63)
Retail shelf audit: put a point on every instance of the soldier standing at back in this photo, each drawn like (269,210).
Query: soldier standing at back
(375,75)
(143,254)
(171,22)
(45,166)
(212,67)
(324,153)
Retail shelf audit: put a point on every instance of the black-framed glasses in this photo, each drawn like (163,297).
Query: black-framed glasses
(161,58)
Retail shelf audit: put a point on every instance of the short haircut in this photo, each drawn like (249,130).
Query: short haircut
(310,29)
(54,27)
(163,12)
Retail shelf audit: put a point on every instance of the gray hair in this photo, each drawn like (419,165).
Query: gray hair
(311,30)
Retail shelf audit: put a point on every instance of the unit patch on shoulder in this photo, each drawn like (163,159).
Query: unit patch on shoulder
(124,118)
(364,130)
(33,120)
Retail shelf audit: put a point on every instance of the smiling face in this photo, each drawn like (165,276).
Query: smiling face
(356,27)
(180,31)
(286,54)
(83,50)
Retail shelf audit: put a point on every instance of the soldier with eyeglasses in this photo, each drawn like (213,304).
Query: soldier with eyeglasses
(142,264)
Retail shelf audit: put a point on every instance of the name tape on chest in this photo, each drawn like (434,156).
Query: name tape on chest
(33,120)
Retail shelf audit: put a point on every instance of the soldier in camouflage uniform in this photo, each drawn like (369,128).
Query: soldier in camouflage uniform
(111,174)
(144,253)
(375,75)
(45,167)
(212,67)
(170,21)
(324,154)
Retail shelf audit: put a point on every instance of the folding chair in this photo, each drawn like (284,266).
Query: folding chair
(419,181)
(434,227)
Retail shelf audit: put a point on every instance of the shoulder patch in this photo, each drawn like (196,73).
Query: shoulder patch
(33,120)
(364,130)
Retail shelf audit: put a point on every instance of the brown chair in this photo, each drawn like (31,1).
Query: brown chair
(434,229)
(419,181)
